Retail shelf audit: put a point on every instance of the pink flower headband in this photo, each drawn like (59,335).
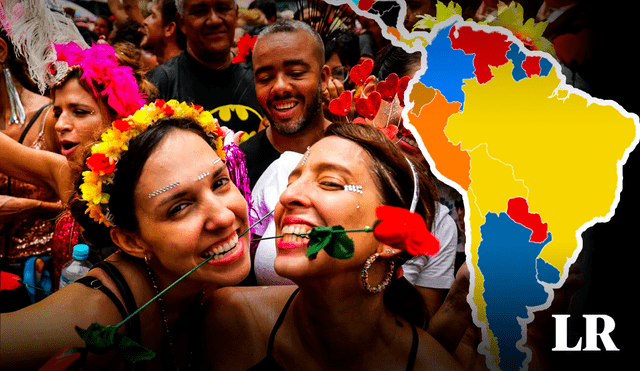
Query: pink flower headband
(99,66)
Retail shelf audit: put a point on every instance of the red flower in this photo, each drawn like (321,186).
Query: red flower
(9,281)
(100,163)
(164,107)
(402,229)
(122,125)
(168,110)
(245,47)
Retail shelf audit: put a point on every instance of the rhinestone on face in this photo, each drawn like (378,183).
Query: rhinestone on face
(306,154)
(201,176)
(353,188)
(164,189)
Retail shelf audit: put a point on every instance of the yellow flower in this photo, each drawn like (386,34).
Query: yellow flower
(141,119)
(208,122)
(92,192)
(96,213)
(114,142)
(90,177)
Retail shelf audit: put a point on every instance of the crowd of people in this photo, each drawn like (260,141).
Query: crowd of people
(194,134)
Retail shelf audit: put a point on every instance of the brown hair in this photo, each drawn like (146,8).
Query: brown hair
(394,179)
(391,169)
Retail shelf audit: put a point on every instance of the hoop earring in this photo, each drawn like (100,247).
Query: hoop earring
(146,259)
(365,275)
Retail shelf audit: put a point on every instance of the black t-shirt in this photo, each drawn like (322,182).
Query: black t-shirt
(230,93)
(259,154)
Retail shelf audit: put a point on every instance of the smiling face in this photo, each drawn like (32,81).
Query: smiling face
(289,78)
(316,196)
(201,216)
(79,120)
(154,31)
(209,26)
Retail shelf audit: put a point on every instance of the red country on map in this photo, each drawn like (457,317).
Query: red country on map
(490,49)
(518,211)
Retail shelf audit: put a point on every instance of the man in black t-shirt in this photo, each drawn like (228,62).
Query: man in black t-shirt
(289,74)
(204,73)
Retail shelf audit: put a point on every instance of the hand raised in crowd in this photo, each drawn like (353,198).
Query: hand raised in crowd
(334,89)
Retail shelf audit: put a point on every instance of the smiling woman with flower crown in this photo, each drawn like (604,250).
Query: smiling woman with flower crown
(344,225)
(159,185)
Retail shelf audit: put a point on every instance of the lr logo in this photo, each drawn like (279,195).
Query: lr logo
(591,333)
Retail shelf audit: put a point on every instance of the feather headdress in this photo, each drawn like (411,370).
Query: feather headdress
(33,29)
(99,66)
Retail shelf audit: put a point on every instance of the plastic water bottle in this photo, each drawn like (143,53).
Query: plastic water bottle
(76,267)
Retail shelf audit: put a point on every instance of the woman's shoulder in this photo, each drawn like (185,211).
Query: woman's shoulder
(255,304)
(238,323)
(432,355)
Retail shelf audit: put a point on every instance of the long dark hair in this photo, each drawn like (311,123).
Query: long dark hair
(394,179)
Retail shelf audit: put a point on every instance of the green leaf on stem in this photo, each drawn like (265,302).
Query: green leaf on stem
(100,340)
(333,240)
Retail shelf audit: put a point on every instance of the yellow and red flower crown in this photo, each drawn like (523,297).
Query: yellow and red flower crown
(102,162)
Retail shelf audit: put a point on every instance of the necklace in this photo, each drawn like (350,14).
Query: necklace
(165,321)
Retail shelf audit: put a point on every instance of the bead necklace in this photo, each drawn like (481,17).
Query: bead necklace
(165,321)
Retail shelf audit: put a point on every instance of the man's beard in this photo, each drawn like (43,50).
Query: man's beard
(297,126)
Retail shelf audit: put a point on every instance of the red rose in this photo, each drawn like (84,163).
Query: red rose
(100,163)
(402,229)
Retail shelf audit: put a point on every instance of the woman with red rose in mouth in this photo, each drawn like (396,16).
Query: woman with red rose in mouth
(159,185)
(351,309)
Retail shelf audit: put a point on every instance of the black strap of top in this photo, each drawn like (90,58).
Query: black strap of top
(23,135)
(94,283)
(272,337)
(414,342)
(31,122)
(414,348)
(132,326)
(127,295)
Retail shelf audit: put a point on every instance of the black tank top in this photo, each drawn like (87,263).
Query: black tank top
(270,364)
(132,327)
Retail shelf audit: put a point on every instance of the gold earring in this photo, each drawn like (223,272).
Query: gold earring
(365,275)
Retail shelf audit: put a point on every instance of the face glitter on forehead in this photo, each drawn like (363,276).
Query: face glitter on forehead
(164,189)
(173,185)
(306,154)
(206,173)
